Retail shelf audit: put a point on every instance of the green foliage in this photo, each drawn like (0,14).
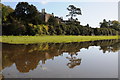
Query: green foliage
(111,24)
(43,30)
(37,29)
(73,11)
(104,24)
(52,21)
(51,30)
(13,28)
(6,10)
(27,13)
(27,20)
(115,25)
(104,31)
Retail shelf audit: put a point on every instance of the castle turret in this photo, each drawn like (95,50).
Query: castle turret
(43,11)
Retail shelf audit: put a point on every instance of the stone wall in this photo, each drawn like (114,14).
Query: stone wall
(47,16)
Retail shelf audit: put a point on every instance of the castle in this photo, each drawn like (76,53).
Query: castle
(45,17)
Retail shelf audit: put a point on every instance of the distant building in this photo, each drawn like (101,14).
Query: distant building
(45,16)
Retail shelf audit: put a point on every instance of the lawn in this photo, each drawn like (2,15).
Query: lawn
(51,39)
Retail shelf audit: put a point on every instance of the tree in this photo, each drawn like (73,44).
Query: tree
(73,11)
(6,10)
(115,25)
(104,24)
(13,28)
(26,12)
(52,21)
(51,30)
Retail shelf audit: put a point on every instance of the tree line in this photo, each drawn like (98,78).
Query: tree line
(26,20)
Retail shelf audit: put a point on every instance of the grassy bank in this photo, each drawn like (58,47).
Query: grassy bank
(51,39)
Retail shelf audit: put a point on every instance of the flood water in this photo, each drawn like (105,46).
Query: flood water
(95,59)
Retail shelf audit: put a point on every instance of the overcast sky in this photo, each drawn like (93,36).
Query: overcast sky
(92,12)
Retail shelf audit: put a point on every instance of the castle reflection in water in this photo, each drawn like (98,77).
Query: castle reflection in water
(27,57)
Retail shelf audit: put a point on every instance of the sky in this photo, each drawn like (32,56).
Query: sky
(92,12)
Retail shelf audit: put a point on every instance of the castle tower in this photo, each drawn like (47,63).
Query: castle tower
(43,11)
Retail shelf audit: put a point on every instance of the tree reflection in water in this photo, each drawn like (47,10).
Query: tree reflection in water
(74,61)
(27,57)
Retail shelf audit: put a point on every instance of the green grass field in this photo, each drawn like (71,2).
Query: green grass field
(51,39)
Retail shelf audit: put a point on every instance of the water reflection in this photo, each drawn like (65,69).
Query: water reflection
(27,57)
(73,62)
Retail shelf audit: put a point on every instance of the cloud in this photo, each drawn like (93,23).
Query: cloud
(43,2)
